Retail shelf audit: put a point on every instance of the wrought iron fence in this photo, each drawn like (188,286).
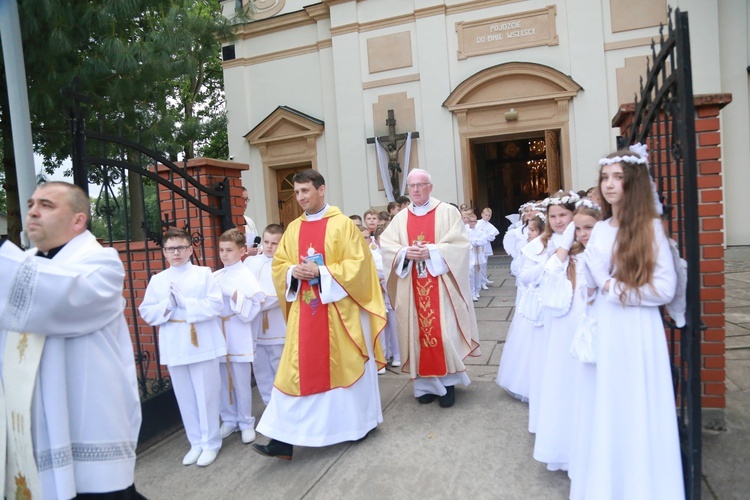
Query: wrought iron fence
(665,120)
(137,193)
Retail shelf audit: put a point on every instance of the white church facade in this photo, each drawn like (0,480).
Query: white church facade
(510,98)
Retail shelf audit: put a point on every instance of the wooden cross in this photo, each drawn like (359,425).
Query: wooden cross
(393,143)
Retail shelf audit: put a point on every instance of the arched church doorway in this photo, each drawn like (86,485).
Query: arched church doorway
(514,133)
(513,169)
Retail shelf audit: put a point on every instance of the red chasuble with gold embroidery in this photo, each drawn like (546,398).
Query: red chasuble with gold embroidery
(427,294)
(314,345)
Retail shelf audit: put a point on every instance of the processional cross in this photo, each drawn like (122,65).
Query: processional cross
(393,143)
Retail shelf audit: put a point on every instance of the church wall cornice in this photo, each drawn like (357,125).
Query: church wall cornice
(273,56)
(437,10)
(310,15)
(315,13)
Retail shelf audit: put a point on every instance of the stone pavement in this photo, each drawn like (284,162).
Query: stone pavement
(479,449)
(726,454)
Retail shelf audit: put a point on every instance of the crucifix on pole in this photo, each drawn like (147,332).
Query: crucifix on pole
(393,143)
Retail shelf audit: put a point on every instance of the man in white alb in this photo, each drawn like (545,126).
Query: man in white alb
(70,394)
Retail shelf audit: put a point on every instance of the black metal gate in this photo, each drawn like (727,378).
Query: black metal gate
(665,120)
(137,193)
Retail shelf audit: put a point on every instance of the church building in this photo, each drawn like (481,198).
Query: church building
(502,101)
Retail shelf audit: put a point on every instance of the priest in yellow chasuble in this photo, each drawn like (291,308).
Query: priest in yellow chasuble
(426,261)
(326,388)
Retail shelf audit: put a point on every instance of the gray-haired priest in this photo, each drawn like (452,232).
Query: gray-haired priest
(70,397)
(426,261)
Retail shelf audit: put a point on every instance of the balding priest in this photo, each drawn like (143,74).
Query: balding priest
(70,396)
(425,252)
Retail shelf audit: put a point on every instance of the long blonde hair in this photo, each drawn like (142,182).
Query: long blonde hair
(633,256)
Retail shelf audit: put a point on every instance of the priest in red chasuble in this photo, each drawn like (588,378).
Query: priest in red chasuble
(326,388)
(426,260)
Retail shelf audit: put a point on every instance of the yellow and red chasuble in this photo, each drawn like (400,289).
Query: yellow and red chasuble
(427,297)
(325,346)
(314,345)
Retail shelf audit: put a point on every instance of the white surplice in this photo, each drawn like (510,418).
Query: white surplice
(478,240)
(491,231)
(190,341)
(85,412)
(390,332)
(236,403)
(269,327)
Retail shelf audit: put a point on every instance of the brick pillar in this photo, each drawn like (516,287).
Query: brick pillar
(183,213)
(711,239)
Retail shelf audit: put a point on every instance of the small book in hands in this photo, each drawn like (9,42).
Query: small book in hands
(318,259)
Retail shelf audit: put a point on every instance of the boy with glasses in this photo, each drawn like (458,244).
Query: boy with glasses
(185,302)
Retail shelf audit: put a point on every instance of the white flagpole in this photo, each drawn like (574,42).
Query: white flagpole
(18,98)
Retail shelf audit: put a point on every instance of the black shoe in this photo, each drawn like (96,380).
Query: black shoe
(363,437)
(275,448)
(426,398)
(449,399)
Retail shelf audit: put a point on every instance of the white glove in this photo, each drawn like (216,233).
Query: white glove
(565,240)
(177,294)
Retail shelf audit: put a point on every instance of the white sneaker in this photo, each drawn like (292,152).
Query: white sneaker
(475,298)
(396,363)
(207,458)
(488,282)
(227,430)
(248,436)
(192,456)
(381,371)
(485,287)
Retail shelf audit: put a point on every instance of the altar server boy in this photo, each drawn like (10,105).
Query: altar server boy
(242,302)
(185,301)
(269,325)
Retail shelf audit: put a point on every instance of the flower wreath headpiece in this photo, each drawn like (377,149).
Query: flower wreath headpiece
(643,160)
(635,148)
(541,216)
(585,202)
(570,198)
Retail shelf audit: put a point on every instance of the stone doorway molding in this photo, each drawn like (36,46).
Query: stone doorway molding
(286,138)
(511,99)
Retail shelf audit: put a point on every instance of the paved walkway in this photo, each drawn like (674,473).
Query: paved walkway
(479,449)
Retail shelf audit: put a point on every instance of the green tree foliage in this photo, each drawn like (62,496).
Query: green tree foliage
(150,67)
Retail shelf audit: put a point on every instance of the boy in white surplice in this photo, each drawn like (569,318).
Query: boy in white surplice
(184,301)
(242,302)
(269,326)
